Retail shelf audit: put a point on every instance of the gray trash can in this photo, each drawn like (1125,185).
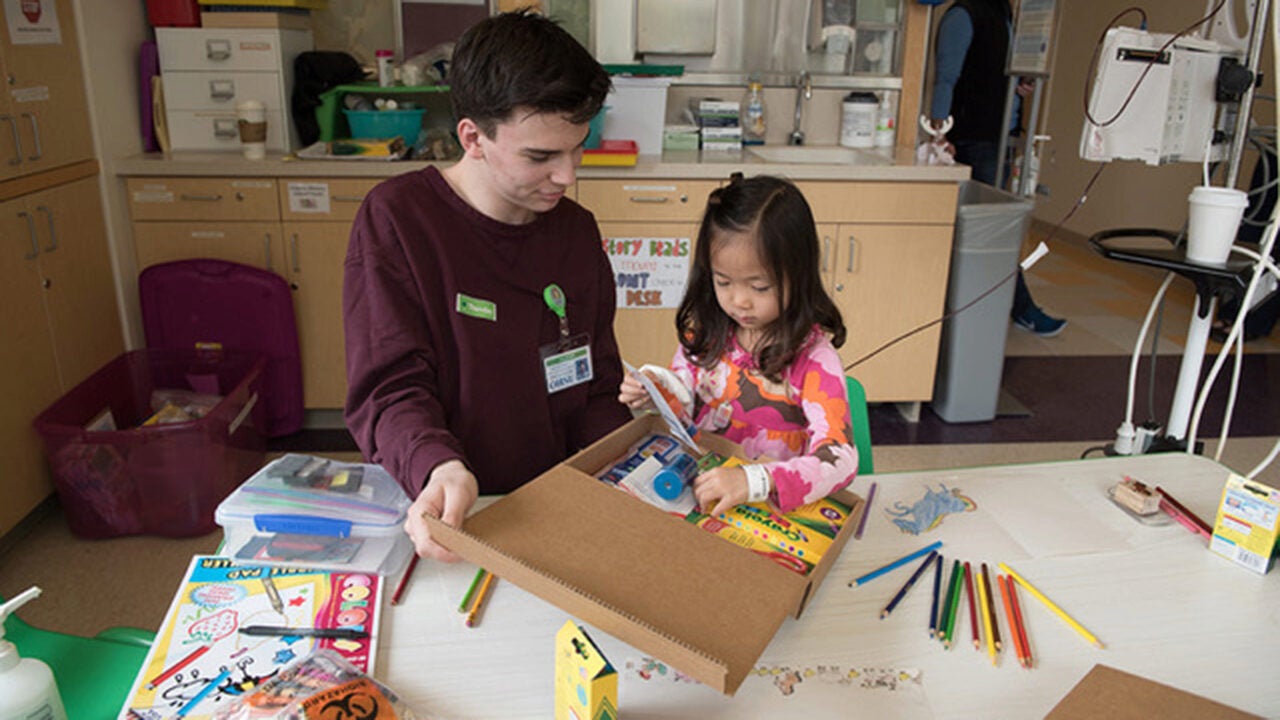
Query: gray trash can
(990,225)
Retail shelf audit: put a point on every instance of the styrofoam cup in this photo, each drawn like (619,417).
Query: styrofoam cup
(1212,219)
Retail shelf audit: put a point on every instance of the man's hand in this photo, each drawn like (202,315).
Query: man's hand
(632,393)
(720,489)
(449,494)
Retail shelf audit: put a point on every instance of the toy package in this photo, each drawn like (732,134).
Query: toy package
(320,686)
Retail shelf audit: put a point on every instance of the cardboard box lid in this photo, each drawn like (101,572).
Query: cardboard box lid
(1111,693)
(650,579)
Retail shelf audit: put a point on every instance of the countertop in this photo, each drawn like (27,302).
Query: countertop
(882,165)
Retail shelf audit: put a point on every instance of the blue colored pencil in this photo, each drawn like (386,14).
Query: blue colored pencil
(902,592)
(204,692)
(937,585)
(895,564)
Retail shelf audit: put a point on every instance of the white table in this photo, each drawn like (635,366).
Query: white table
(1166,608)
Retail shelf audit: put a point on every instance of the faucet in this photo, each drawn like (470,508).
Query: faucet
(804,91)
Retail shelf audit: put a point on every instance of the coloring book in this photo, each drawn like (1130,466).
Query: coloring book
(200,661)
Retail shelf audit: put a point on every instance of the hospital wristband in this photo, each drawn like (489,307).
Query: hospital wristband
(758,482)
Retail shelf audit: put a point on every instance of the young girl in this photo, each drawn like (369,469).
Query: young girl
(757,362)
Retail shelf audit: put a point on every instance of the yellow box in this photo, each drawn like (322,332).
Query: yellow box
(1247,524)
(586,684)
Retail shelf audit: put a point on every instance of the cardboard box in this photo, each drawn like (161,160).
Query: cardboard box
(1248,524)
(666,587)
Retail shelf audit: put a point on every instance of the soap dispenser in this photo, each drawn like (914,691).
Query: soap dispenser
(27,687)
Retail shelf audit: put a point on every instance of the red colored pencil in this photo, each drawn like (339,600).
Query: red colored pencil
(404,580)
(1182,519)
(1021,628)
(991,608)
(973,606)
(1182,509)
(190,658)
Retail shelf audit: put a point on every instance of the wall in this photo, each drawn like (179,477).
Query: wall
(1128,193)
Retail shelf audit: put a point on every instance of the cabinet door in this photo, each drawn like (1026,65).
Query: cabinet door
(28,371)
(316,253)
(249,243)
(80,291)
(645,325)
(46,95)
(888,280)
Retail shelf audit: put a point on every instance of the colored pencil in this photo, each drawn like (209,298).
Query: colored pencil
(944,596)
(1185,512)
(404,580)
(986,616)
(937,585)
(973,607)
(481,596)
(871,495)
(1183,520)
(991,608)
(190,658)
(204,692)
(895,564)
(957,580)
(465,605)
(902,592)
(1008,614)
(1052,606)
(1017,616)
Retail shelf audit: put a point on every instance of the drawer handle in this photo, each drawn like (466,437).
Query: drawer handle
(826,250)
(347,198)
(853,246)
(225,127)
(17,141)
(199,198)
(217,49)
(31,232)
(222,89)
(53,231)
(648,199)
(293,252)
(35,135)
(266,248)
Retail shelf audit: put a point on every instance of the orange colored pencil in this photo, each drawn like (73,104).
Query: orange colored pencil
(480,597)
(1021,627)
(973,606)
(1008,614)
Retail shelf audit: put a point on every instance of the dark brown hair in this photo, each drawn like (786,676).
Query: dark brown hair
(776,214)
(520,59)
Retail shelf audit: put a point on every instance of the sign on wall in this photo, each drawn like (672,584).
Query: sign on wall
(650,272)
(32,22)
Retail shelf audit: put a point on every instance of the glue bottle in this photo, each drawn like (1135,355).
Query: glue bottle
(27,687)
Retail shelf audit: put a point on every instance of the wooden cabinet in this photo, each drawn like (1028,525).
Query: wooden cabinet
(230,219)
(43,111)
(666,211)
(58,308)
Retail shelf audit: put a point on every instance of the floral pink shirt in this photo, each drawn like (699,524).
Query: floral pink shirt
(803,421)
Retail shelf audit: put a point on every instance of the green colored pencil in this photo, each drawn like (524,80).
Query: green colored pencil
(958,577)
(466,599)
(944,619)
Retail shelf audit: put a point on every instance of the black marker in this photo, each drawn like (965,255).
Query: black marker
(281,631)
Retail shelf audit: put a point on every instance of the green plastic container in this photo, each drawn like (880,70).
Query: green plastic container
(378,124)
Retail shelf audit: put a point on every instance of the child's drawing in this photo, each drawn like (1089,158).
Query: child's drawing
(927,513)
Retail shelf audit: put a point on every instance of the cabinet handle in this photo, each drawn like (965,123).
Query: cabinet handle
(648,199)
(31,232)
(826,250)
(217,49)
(222,89)
(53,231)
(347,198)
(226,128)
(199,198)
(852,248)
(266,248)
(17,141)
(35,136)
(293,253)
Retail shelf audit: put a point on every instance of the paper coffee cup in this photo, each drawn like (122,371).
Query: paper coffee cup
(251,118)
(1212,220)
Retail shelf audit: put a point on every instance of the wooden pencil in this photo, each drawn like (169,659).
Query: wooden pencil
(953,609)
(866,511)
(986,616)
(1062,614)
(902,592)
(1185,512)
(973,607)
(465,605)
(991,608)
(404,580)
(937,585)
(481,596)
(944,609)
(1017,616)
(895,564)
(1008,615)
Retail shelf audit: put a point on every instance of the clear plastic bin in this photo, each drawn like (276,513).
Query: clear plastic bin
(162,480)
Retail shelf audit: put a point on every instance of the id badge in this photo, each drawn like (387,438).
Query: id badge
(567,363)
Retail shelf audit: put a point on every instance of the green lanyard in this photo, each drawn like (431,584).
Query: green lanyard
(553,296)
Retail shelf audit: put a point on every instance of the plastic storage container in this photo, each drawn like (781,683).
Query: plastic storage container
(990,225)
(309,511)
(162,480)
(637,111)
(379,124)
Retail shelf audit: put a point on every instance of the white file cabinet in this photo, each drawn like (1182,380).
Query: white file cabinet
(207,71)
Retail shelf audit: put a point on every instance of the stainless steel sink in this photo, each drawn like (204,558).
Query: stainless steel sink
(817,155)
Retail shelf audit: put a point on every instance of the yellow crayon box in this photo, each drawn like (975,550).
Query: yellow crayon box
(1247,524)
(586,684)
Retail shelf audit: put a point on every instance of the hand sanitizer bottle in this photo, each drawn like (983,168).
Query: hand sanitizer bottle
(27,687)
(753,122)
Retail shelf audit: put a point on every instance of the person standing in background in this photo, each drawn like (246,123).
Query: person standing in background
(969,86)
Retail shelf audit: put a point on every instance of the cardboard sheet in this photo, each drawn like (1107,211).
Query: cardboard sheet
(1117,695)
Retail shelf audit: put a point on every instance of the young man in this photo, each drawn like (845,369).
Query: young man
(478,303)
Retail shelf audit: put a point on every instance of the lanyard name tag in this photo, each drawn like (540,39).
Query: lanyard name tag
(567,363)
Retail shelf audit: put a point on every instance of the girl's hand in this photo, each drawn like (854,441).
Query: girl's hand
(632,393)
(720,489)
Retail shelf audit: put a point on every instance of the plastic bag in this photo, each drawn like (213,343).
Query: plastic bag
(321,686)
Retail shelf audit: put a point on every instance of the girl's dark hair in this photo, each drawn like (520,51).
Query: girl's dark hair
(775,213)
(520,59)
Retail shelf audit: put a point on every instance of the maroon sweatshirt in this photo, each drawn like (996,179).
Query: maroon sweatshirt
(428,380)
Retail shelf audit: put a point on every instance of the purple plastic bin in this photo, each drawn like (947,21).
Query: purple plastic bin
(162,480)
(188,303)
